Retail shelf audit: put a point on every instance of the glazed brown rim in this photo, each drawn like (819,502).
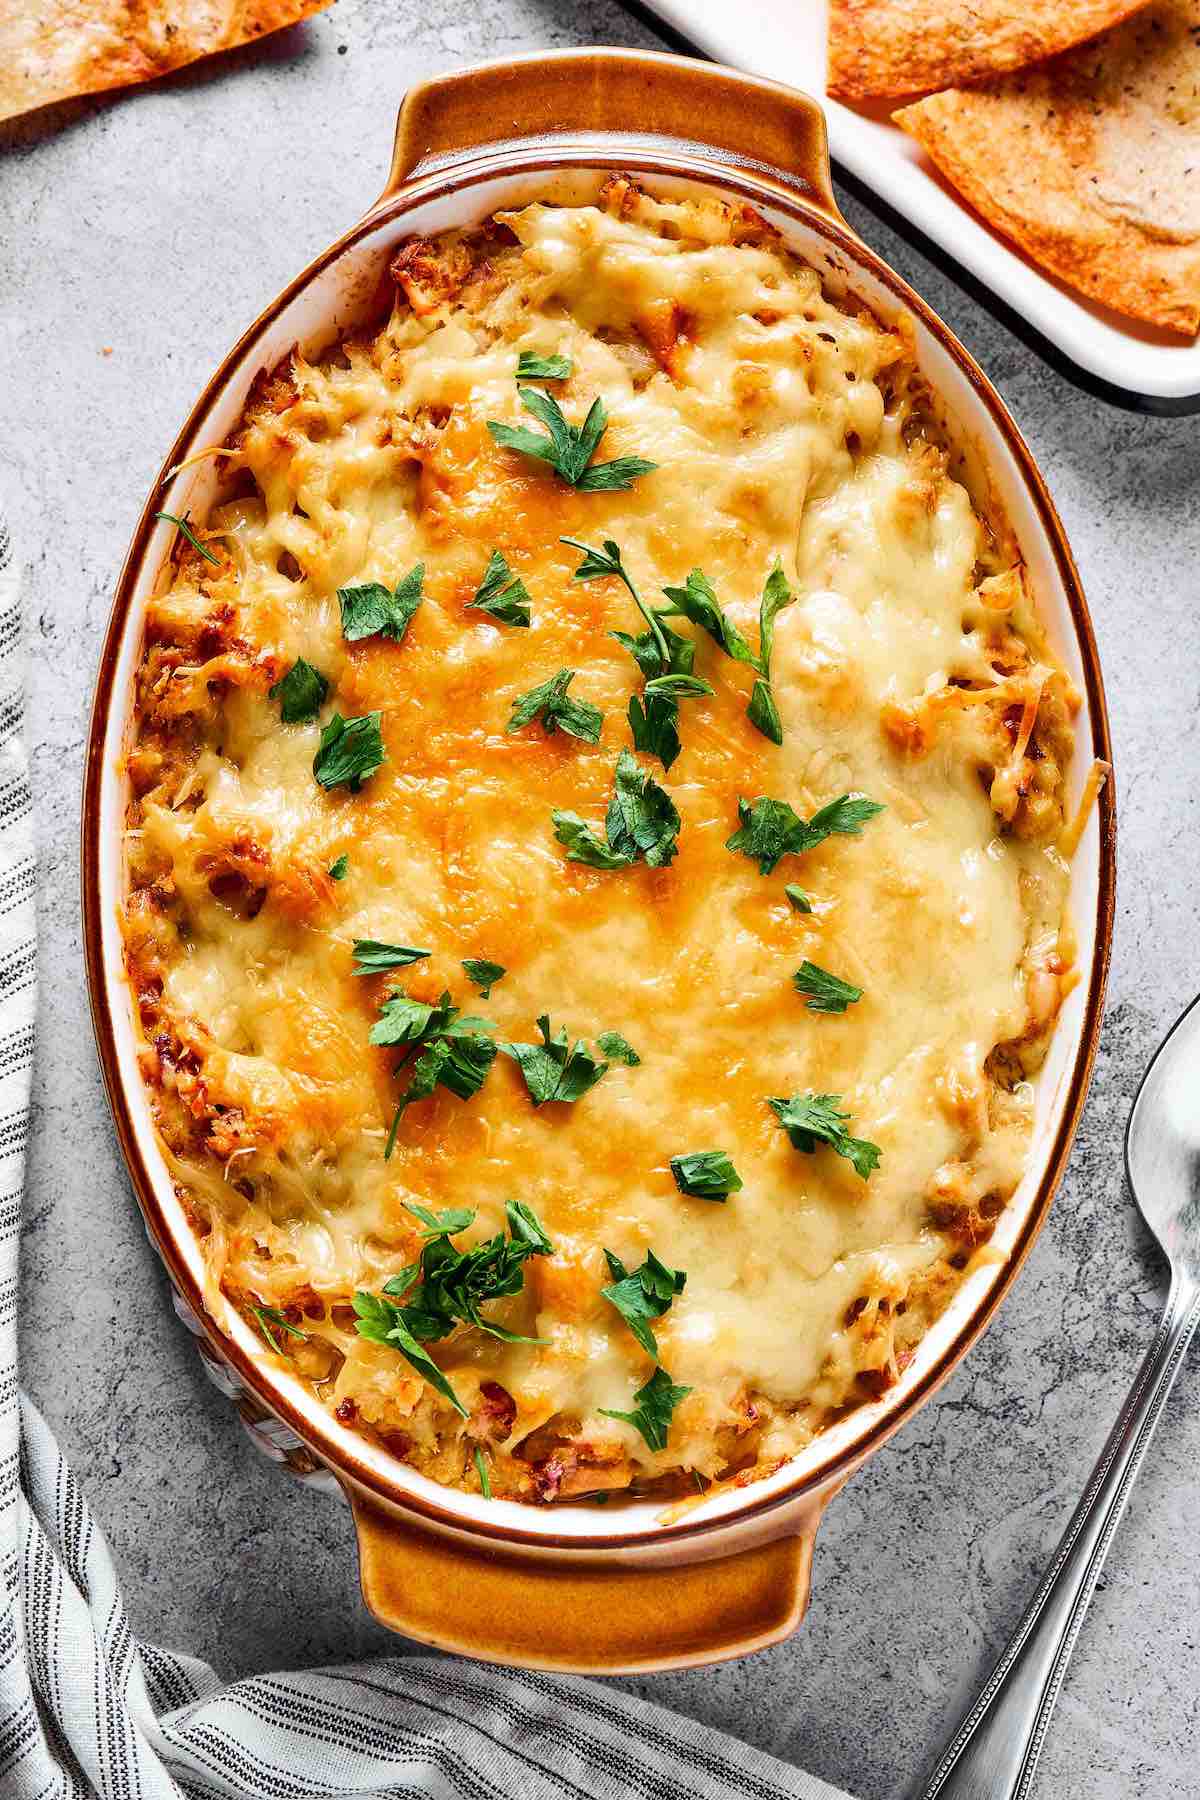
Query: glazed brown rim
(453,179)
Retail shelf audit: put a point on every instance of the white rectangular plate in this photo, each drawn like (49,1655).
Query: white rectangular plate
(785,40)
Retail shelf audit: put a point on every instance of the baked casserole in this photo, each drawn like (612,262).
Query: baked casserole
(596,858)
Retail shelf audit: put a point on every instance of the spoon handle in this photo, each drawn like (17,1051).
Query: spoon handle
(995,1751)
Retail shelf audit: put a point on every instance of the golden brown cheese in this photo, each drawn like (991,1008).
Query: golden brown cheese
(909,669)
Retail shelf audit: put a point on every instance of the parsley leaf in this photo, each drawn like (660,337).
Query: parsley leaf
(403,1020)
(706,1175)
(585,845)
(645,1294)
(533,367)
(350,750)
(525,1227)
(770,830)
(371,957)
(372,610)
(799,899)
(647,654)
(453,1051)
(619,1049)
(665,659)
(697,601)
(654,721)
(443,1224)
(338,870)
(654,726)
(762,711)
(569,448)
(551,1071)
(654,1405)
(300,693)
(453,1285)
(501,593)
(776,595)
(678,685)
(559,712)
(641,821)
(383,1323)
(270,1316)
(810,1119)
(844,816)
(485,975)
(181,525)
(830,994)
(485,1486)
(596,565)
(641,818)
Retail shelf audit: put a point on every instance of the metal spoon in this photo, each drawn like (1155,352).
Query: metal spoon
(995,1751)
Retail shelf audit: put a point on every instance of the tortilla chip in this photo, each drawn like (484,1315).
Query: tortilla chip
(895,47)
(1092,163)
(53,49)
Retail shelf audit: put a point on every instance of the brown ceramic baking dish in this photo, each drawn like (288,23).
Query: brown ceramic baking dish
(574,1587)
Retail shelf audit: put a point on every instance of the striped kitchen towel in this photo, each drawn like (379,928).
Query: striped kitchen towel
(87,1710)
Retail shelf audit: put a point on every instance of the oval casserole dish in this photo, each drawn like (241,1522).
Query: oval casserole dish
(574,1587)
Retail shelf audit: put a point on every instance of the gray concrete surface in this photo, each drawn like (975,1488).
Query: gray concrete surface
(139,234)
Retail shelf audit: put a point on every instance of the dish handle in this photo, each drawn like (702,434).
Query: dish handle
(732,120)
(580,1613)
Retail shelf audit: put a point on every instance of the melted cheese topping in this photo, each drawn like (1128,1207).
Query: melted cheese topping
(909,668)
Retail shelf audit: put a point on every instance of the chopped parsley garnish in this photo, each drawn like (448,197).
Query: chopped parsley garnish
(706,1175)
(799,899)
(619,1049)
(654,1406)
(451,1048)
(812,1119)
(645,1294)
(830,994)
(677,686)
(350,750)
(300,693)
(338,870)
(770,830)
(551,1070)
(654,727)
(182,526)
(383,1323)
(485,1486)
(654,718)
(762,711)
(446,1288)
(641,822)
(697,601)
(557,710)
(598,564)
(533,367)
(502,594)
(443,1224)
(373,610)
(648,650)
(664,658)
(568,448)
(485,975)
(371,957)
(270,1320)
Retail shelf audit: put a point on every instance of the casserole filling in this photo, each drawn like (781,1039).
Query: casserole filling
(596,857)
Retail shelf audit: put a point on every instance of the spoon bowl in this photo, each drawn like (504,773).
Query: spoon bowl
(1162,1145)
